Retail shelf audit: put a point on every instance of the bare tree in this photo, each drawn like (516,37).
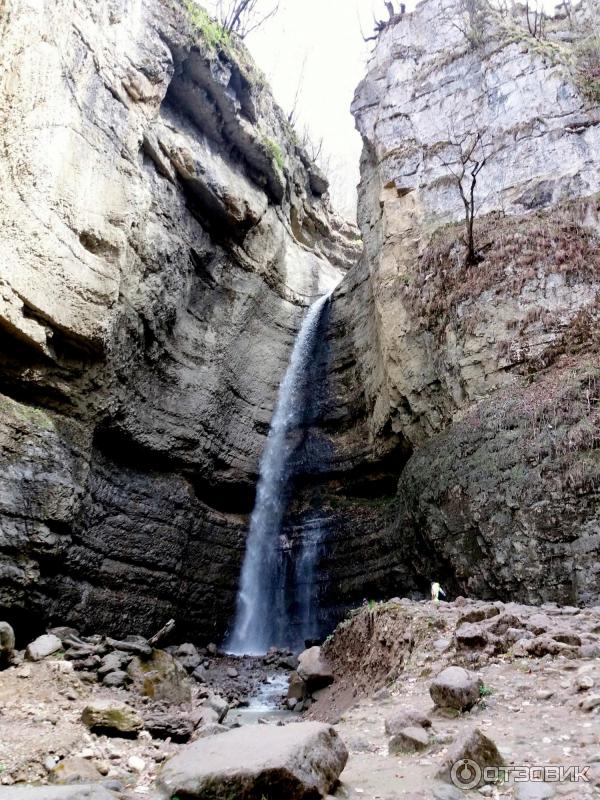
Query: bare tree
(471,19)
(469,155)
(244,16)
(313,147)
(293,115)
(380,24)
(536,20)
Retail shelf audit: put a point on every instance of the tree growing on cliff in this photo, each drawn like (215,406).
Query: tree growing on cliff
(468,154)
(244,16)
(471,19)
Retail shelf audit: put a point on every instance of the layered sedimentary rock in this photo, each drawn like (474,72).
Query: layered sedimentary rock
(161,236)
(489,371)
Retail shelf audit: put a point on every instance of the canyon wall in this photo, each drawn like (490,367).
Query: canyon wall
(161,235)
(489,372)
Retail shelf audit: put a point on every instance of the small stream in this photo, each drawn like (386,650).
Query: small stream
(266,703)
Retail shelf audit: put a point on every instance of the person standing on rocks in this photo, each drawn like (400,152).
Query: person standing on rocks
(436,591)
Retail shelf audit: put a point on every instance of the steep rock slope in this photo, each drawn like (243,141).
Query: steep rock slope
(161,235)
(490,371)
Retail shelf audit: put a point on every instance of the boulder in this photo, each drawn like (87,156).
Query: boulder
(479,614)
(218,704)
(200,673)
(42,647)
(456,688)
(91,792)
(471,635)
(7,644)
(74,770)
(296,687)
(544,645)
(407,718)
(313,669)
(167,725)
(117,679)
(295,761)
(112,719)
(533,790)
(475,747)
(65,634)
(538,623)
(188,656)
(113,662)
(160,677)
(409,740)
(442,791)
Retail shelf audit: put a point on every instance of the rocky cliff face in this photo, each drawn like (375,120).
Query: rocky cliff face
(489,372)
(161,235)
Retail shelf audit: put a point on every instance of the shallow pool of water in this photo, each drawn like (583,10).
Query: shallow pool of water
(266,703)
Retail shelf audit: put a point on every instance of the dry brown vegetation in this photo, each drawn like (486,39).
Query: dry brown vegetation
(514,250)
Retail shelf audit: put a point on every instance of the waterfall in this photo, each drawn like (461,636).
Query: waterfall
(261,615)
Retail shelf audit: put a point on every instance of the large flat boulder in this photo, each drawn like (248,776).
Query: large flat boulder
(56,793)
(295,761)
(42,647)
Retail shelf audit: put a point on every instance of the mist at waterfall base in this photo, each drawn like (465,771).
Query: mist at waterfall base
(273,579)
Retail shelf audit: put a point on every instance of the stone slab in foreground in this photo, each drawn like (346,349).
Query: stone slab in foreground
(295,761)
(56,793)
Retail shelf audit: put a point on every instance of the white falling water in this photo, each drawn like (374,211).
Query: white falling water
(260,605)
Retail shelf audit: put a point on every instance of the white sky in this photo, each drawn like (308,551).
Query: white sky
(325,36)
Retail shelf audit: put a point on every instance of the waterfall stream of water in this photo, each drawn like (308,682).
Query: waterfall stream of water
(261,614)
